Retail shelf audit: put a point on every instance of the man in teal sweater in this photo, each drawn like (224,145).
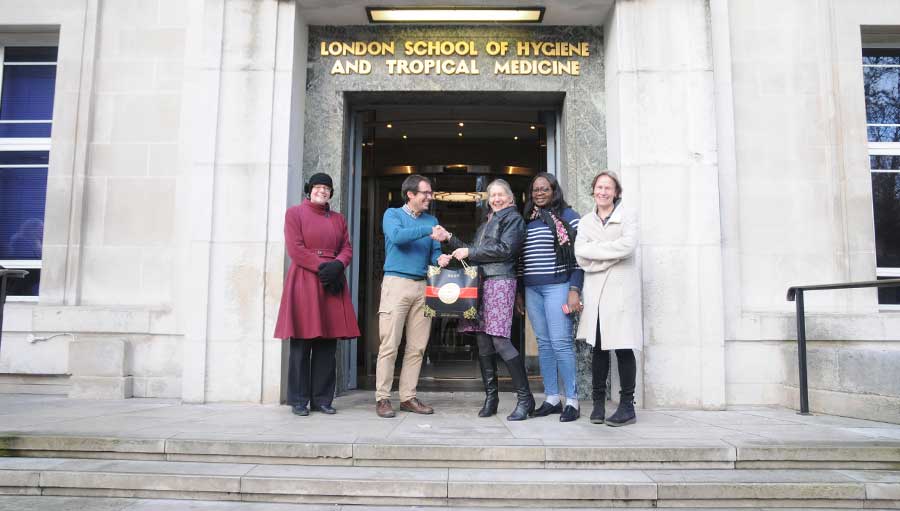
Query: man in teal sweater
(409,249)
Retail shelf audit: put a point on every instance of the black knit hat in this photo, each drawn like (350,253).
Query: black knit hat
(320,178)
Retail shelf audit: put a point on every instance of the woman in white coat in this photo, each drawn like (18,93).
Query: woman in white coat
(605,249)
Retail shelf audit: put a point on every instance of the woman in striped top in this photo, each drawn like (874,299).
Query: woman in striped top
(552,281)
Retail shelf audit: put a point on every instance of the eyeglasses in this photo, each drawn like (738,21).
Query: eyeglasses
(541,190)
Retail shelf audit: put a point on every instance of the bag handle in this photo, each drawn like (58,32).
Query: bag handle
(463,261)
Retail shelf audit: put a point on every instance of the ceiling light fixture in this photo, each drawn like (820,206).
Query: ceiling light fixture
(532,126)
(404,136)
(389,125)
(516,137)
(462,124)
(460,133)
(455,15)
(459,196)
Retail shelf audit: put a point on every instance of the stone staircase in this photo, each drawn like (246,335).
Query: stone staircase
(458,472)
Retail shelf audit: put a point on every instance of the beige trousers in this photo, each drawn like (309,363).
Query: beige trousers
(402,305)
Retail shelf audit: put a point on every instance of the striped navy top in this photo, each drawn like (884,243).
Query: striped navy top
(539,258)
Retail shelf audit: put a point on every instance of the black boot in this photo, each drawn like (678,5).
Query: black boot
(524,398)
(627,377)
(624,413)
(598,414)
(488,365)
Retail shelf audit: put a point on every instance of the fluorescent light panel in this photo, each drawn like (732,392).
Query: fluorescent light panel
(454,15)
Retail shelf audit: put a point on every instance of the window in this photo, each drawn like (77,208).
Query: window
(27,84)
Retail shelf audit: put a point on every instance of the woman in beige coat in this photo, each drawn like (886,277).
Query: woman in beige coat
(606,249)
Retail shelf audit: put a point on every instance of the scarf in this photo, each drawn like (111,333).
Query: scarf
(563,239)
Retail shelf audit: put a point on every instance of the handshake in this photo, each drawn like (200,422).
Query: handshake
(438,233)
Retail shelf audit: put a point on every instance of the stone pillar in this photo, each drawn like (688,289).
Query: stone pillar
(662,138)
(236,121)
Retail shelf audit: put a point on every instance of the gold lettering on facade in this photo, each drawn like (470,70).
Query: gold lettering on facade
(538,67)
(440,48)
(495,48)
(552,49)
(432,66)
(346,67)
(357,49)
(544,58)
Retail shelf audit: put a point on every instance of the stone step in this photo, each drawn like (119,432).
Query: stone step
(60,503)
(449,486)
(468,453)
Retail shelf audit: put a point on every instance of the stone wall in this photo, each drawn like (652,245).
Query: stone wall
(804,210)
(110,223)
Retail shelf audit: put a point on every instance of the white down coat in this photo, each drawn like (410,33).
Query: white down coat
(612,279)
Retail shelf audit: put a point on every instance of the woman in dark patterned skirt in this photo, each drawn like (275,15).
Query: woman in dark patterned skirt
(496,248)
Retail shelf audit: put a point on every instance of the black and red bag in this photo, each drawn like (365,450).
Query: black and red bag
(453,292)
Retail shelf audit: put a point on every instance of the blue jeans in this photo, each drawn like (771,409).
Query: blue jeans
(553,329)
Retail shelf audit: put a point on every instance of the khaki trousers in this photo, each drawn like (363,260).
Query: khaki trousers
(402,305)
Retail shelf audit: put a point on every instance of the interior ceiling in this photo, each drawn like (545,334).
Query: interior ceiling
(443,123)
(353,12)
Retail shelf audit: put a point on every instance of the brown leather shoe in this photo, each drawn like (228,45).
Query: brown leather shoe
(416,406)
(384,410)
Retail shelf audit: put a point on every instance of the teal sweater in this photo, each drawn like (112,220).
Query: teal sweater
(408,248)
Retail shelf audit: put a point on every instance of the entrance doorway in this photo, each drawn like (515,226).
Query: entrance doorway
(461,149)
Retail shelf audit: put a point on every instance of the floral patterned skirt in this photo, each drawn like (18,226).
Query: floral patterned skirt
(498,300)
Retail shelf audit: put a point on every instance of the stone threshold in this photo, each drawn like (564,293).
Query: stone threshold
(450,486)
(467,453)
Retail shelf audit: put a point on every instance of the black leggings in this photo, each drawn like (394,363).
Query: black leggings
(600,369)
(490,344)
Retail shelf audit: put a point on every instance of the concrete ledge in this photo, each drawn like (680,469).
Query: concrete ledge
(346,481)
(793,504)
(140,494)
(82,444)
(756,484)
(259,449)
(451,487)
(12,478)
(90,455)
(608,454)
(101,387)
(100,319)
(824,491)
(156,482)
(19,491)
(448,452)
(871,452)
(550,484)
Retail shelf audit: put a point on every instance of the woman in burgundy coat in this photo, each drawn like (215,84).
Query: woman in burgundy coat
(315,305)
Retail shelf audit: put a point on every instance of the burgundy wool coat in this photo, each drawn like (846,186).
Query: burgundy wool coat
(313,235)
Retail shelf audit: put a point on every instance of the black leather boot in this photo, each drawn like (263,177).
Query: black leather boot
(598,414)
(524,398)
(488,365)
(624,413)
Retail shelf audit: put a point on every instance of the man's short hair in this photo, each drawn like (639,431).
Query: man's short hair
(411,184)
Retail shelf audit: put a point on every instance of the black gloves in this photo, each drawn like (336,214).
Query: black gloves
(330,275)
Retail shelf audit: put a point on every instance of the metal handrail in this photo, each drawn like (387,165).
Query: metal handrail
(795,294)
(4,275)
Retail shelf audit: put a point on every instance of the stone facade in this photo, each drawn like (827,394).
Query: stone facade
(182,130)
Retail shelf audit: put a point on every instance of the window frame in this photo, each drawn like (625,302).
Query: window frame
(24,144)
(882,149)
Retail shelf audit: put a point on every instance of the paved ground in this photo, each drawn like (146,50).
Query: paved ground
(111,504)
(454,419)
